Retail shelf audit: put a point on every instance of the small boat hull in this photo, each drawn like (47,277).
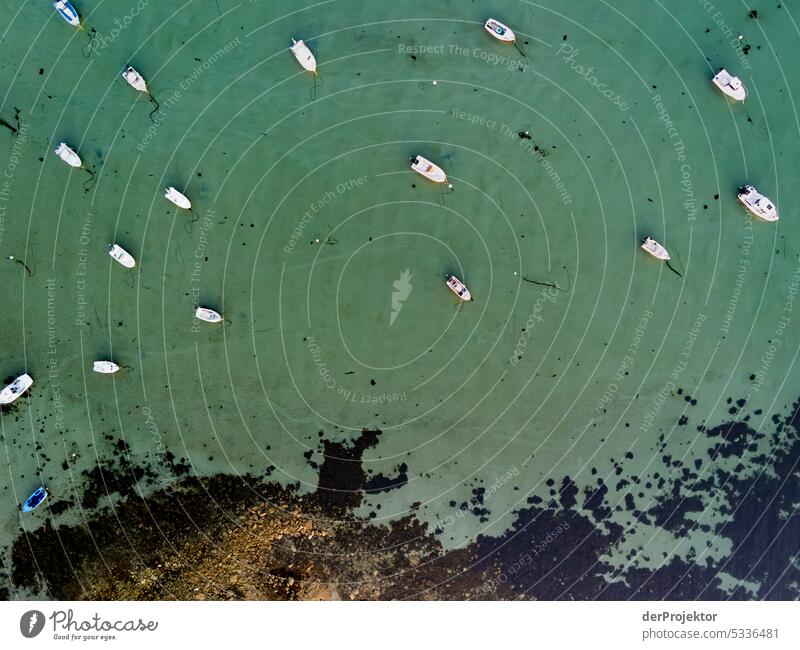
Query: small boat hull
(177,198)
(757,204)
(729,85)
(458,287)
(304,56)
(499,31)
(428,169)
(67,12)
(134,79)
(105,367)
(122,256)
(68,155)
(15,389)
(652,247)
(34,500)
(207,315)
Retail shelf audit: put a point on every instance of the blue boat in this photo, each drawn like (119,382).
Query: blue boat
(67,12)
(34,500)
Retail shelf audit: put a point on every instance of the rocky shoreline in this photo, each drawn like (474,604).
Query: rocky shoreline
(232,538)
(242,537)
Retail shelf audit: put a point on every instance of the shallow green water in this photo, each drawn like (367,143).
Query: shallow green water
(308,216)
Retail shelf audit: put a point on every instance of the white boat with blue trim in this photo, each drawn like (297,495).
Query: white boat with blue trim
(34,500)
(67,12)
(500,31)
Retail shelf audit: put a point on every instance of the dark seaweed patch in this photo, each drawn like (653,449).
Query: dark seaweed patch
(341,476)
(381,483)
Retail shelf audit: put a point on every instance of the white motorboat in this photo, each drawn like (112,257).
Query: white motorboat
(134,79)
(458,288)
(177,198)
(122,256)
(105,367)
(207,315)
(303,55)
(67,12)
(68,155)
(730,85)
(429,170)
(15,389)
(500,31)
(757,204)
(655,249)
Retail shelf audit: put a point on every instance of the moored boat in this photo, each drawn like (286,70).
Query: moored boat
(655,249)
(177,198)
(429,170)
(67,12)
(34,500)
(757,204)
(207,315)
(105,367)
(458,288)
(304,55)
(68,155)
(15,389)
(122,256)
(134,79)
(731,86)
(500,31)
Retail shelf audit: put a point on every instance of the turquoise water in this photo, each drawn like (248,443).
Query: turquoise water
(326,254)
